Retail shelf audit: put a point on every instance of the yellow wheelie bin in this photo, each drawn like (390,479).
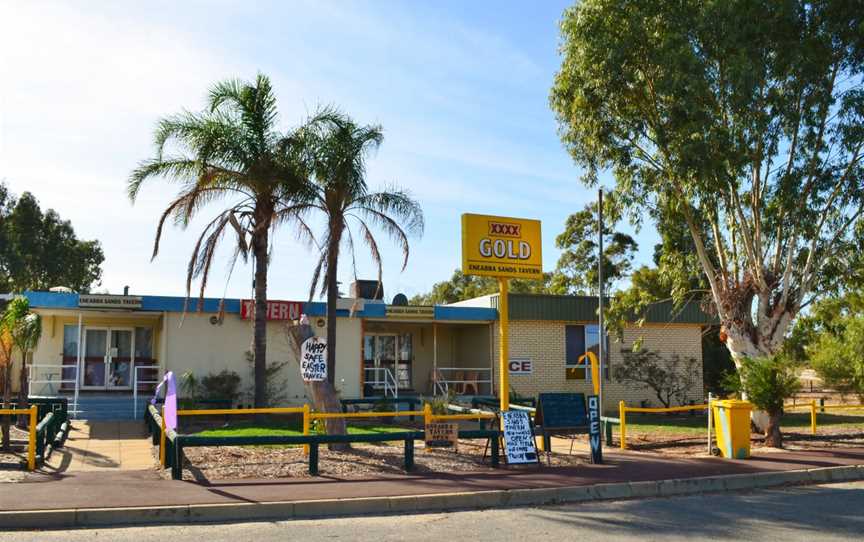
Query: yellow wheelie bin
(732,425)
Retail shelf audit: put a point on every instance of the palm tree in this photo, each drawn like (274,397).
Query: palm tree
(6,349)
(338,149)
(231,153)
(20,330)
(25,328)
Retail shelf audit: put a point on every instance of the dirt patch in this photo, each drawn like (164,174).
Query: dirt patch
(689,445)
(362,461)
(13,462)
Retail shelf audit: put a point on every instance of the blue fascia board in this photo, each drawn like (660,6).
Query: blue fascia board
(52,300)
(479,314)
(63,300)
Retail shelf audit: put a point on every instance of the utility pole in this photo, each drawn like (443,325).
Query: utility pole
(602,345)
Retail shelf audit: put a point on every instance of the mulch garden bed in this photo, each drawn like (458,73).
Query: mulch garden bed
(12,462)
(362,461)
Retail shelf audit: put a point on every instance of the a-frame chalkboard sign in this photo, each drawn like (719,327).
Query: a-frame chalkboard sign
(560,414)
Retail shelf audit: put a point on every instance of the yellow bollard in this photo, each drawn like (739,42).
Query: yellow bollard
(31,450)
(306,415)
(813,416)
(427,414)
(622,413)
(162,440)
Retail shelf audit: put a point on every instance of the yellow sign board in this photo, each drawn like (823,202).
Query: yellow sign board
(503,247)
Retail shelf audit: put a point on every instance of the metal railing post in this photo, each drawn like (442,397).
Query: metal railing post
(31,450)
(813,417)
(306,424)
(622,415)
(162,440)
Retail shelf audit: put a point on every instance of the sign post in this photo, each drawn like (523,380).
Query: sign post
(503,248)
(504,344)
(594,429)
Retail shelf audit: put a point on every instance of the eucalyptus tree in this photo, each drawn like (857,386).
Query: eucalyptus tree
(746,116)
(230,154)
(338,149)
(741,119)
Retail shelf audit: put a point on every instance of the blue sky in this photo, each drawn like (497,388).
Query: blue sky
(461,89)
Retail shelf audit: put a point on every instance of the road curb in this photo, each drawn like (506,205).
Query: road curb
(439,502)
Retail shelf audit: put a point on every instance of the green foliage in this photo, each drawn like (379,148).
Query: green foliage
(439,403)
(827,316)
(214,386)
(576,271)
(39,250)
(671,378)
(766,382)
(838,355)
(461,287)
(223,385)
(275,381)
(716,363)
(738,123)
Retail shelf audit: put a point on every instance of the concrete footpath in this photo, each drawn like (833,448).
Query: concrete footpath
(140,497)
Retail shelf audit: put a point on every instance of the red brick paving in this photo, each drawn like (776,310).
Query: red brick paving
(144,488)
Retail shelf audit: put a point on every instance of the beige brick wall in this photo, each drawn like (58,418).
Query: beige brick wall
(543,342)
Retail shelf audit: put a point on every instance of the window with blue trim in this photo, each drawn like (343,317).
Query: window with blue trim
(578,340)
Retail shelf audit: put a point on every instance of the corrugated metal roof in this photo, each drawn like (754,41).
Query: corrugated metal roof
(584,309)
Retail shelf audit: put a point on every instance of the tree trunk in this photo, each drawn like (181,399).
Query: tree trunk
(773,436)
(259,247)
(332,298)
(323,394)
(744,340)
(23,421)
(7,399)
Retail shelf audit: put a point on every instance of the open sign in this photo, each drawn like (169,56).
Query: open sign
(521,366)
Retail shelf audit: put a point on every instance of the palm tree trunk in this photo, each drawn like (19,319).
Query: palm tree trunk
(332,297)
(23,421)
(259,247)
(323,394)
(6,385)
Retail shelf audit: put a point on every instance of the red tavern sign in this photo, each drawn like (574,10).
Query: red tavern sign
(276,310)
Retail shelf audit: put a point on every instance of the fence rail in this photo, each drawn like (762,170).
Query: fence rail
(623,409)
(32,413)
(172,444)
(815,409)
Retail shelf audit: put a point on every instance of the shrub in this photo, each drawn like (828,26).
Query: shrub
(276,385)
(670,378)
(767,383)
(839,357)
(224,385)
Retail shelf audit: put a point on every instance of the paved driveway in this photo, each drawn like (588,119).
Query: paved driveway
(103,446)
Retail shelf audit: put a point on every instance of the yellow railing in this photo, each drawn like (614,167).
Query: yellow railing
(309,415)
(33,413)
(623,409)
(814,410)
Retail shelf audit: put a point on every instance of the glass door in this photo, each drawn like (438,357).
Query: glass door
(120,357)
(387,351)
(95,358)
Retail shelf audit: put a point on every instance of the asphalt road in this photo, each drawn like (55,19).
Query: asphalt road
(828,512)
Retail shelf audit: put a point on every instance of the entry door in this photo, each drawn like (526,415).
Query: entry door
(108,358)
(95,360)
(389,351)
(120,357)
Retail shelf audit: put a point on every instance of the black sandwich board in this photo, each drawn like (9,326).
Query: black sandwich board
(561,414)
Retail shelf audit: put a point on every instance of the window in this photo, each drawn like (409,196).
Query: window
(70,342)
(578,341)
(143,343)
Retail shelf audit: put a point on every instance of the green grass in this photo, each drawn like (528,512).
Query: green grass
(697,425)
(268,430)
